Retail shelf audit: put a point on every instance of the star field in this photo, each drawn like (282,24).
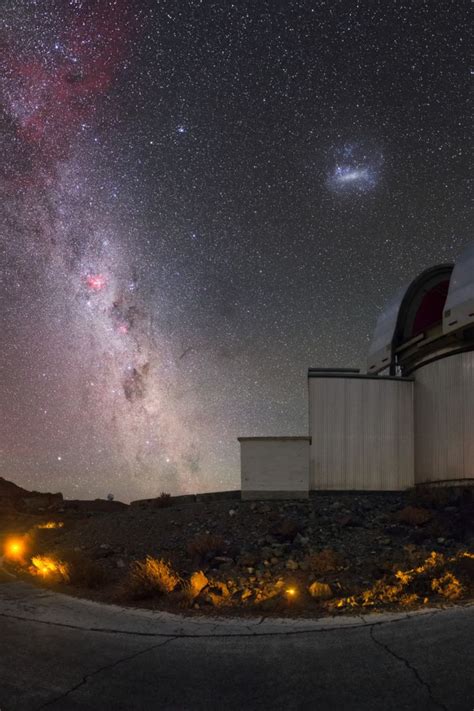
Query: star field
(199,201)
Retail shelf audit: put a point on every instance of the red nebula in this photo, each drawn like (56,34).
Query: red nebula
(96,282)
(50,97)
(122,328)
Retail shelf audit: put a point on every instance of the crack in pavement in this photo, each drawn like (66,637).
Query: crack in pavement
(212,635)
(421,681)
(106,667)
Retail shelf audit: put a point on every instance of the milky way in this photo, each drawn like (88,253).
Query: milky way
(199,201)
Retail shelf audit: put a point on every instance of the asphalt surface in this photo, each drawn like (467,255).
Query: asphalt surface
(58,652)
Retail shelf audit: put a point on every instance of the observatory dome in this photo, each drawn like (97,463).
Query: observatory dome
(430,318)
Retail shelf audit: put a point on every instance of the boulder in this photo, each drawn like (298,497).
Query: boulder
(286,529)
(197,582)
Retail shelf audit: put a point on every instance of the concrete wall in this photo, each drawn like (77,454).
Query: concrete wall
(274,467)
(444,420)
(361,429)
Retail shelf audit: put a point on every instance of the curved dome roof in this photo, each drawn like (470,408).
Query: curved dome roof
(439,301)
(459,306)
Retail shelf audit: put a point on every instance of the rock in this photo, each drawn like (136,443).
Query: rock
(320,591)
(441,539)
(222,559)
(120,563)
(103,552)
(301,540)
(286,529)
(247,559)
(292,564)
(232,512)
(197,583)
(348,520)
(105,546)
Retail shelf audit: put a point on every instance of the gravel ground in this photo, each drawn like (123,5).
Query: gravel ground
(257,544)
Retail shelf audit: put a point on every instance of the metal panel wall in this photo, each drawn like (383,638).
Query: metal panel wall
(362,433)
(444,419)
(274,467)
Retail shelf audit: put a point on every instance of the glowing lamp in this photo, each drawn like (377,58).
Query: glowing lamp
(14,548)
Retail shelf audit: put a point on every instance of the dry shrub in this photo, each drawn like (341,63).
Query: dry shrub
(148,578)
(320,591)
(218,593)
(163,501)
(205,546)
(447,586)
(436,576)
(413,516)
(325,561)
(432,496)
(83,571)
(50,568)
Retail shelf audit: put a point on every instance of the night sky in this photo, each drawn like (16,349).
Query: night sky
(200,200)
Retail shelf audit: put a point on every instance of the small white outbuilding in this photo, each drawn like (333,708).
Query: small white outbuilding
(274,467)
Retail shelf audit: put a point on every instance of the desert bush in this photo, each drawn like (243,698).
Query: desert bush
(433,496)
(218,593)
(448,586)
(148,578)
(164,500)
(325,561)
(205,546)
(83,571)
(320,591)
(50,568)
(413,516)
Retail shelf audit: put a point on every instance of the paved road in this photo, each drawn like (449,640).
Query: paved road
(60,653)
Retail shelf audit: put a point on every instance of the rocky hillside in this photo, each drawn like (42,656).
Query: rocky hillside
(15,498)
(339,546)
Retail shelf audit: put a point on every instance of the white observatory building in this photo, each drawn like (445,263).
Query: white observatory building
(408,421)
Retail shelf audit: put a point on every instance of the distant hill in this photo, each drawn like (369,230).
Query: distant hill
(9,490)
(13,496)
